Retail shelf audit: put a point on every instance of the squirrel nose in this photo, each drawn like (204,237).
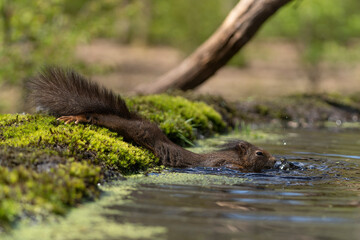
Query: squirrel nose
(271,161)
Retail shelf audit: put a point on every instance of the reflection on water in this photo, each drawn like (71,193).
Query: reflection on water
(317,197)
(329,155)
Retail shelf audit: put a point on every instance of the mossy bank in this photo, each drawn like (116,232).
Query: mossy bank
(315,110)
(47,166)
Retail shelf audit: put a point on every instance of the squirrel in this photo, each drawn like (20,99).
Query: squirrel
(73,98)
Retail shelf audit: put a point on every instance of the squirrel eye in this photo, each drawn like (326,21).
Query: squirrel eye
(259,153)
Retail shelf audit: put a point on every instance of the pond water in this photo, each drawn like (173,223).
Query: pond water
(316,196)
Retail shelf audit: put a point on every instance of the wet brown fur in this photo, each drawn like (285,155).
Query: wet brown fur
(70,95)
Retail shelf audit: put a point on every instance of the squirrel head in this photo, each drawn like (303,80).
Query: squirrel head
(243,156)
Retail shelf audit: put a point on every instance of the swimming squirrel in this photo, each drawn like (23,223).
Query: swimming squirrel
(73,98)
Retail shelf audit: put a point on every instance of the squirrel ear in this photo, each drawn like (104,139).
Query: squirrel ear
(243,146)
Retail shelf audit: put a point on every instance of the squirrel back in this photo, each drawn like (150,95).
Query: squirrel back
(64,92)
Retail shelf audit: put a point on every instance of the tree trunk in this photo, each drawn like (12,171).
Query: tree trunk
(238,28)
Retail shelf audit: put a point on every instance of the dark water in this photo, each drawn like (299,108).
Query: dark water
(316,198)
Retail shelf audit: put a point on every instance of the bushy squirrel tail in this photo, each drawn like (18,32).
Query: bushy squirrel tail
(63,92)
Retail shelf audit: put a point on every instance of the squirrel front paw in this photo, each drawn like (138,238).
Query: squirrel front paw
(77,119)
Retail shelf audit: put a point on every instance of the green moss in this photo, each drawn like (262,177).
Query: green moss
(100,145)
(204,180)
(91,221)
(355,98)
(262,109)
(26,192)
(344,125)
(341,98)
(47,166)
(323,100)
(179,118)
(301,110)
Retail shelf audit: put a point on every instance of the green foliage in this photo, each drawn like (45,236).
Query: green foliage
(34,33)
(319,28)
(310,20)
(42,32)
(32,37)
(189,23)
(178,117)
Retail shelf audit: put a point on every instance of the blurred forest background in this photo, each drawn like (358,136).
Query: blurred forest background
(309,45)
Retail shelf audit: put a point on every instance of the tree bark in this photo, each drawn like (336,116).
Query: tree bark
(237,29)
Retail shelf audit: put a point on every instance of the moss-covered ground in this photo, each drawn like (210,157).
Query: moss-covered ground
(295,111)
(180,119)
(47,166)
(305,110)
